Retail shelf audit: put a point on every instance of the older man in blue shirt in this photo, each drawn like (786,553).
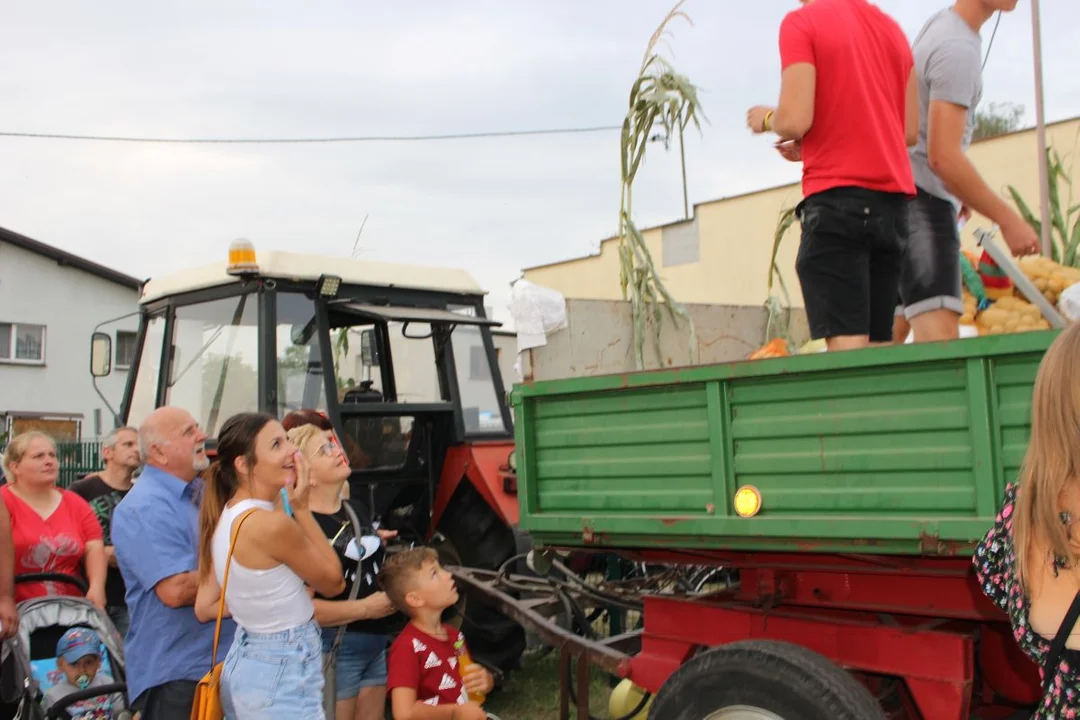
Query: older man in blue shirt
(155,534)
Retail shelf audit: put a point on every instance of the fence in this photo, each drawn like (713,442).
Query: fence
(76,459)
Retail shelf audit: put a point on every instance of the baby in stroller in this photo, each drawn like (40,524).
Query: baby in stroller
(78,658)
(57,631)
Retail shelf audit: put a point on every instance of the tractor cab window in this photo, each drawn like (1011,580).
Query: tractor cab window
(215,360)
(475,376)
(416,374)
(361,371)
(376,442)
(144,391)
(300,372)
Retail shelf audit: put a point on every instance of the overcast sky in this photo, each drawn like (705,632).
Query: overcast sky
(269,68)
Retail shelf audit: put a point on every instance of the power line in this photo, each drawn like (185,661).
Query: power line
(310,140)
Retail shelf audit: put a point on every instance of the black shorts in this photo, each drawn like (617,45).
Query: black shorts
(850,259)
(930,279)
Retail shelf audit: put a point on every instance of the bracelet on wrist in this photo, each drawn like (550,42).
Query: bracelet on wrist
(766,124)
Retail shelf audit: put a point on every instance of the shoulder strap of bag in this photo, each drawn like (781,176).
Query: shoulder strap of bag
(1057,647)
(358,531)
(225,582)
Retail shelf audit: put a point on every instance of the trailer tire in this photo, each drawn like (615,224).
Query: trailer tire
(481,540)
(788,681)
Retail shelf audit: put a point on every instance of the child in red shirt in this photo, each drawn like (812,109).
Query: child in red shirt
(424,675)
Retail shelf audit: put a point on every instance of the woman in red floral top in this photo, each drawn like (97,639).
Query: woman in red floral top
(54,531)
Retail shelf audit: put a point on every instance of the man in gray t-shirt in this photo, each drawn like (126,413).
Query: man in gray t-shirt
(948,68)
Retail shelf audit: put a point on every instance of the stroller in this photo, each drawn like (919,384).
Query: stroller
(28,660)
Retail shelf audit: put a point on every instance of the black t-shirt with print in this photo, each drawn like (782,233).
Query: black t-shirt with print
(368,549)
(103,500)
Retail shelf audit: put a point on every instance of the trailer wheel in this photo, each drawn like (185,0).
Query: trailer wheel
(481,540)
(763,680)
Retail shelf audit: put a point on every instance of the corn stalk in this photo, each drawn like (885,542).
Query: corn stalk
(1064,216)
(341,352)
(659,96)
(779,320)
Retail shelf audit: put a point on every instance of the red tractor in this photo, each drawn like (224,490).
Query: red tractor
(403,361)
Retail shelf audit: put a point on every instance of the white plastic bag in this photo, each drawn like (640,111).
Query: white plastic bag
(1069,302)
(537,313)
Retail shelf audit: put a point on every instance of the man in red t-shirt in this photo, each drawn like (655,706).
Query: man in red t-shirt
(425,676)
(848,110)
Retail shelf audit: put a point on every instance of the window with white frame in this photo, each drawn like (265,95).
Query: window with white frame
(125,348)
(22,343)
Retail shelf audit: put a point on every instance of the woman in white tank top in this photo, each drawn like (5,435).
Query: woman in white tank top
(274,667)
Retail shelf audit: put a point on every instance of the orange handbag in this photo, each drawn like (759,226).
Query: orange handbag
(207,705)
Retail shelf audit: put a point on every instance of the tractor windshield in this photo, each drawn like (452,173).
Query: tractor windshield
(215,364)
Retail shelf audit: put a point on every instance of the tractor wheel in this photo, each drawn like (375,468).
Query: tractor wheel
(479,539)
(763,680)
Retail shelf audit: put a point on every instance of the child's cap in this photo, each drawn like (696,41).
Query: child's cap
(77,643)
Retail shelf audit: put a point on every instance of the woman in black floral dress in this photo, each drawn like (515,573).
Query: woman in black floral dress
(1029,562)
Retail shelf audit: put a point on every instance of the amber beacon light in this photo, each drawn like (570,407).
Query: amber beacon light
(242,258)
(747,501)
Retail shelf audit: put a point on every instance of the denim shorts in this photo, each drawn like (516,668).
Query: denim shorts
(931,277)
(274,675)
(361,661)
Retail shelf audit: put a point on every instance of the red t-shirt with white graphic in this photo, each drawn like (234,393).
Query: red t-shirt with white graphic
(55,544)
(428,665)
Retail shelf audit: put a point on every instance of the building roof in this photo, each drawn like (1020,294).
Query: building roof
(66,259)
(295,266)
(749,193)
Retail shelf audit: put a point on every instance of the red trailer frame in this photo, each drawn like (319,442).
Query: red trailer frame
(920,620)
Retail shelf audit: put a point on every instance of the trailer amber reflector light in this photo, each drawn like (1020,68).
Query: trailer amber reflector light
(747,501)
(242,258)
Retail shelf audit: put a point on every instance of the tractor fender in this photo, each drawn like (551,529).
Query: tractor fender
(485,465)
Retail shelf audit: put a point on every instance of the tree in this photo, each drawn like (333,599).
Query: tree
(997,119)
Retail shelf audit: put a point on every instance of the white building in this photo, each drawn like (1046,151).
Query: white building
(50,303)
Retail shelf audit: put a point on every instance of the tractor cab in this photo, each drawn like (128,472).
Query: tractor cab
(400,358)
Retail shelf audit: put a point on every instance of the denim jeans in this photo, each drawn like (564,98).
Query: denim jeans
(361,661)
(274,675)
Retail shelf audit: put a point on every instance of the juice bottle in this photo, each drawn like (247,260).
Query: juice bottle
(464,661)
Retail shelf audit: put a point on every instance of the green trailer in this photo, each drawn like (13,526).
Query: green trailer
(901,450)
(876,472)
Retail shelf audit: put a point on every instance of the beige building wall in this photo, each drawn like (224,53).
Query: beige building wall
(722,255)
